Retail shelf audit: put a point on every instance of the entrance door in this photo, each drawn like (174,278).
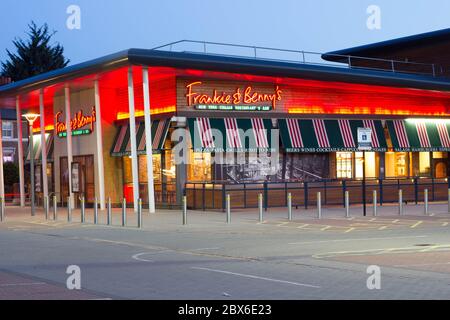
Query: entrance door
(86,179)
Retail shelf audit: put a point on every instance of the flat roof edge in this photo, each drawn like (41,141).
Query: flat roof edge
(232,64)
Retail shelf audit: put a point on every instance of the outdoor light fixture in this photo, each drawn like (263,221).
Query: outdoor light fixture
(31,118)
(428,120)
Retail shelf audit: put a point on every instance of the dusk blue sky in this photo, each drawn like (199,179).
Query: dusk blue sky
(108,26)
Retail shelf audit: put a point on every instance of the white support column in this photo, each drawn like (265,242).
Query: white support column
(2,178)
(134,157)
(148,140)
(69,143)
(99,139)
(20,152)
(43,144)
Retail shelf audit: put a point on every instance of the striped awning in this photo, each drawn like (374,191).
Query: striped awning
(122,144)
(37,147)
(419,135)
(319,135)
(231,135)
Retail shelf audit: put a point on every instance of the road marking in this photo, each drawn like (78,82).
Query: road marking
(417,224)
(373,219)
(282,224)
(412,249)
(201,249)
(445,224)
(325,228)
(422,264)
(138,255)
(395,221)
(357,239)
(382,228)
(349,230)
(257,277)
(22,284)
(303,226)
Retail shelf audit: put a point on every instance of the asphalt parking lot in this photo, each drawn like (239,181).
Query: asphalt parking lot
(305,258)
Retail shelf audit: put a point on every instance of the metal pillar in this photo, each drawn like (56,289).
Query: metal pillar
(20,153)
(319,205)
(43,144)
(148,141)
(99,140)
(260,208)
(347,204)
(289,203)
(134,156)
(69,144)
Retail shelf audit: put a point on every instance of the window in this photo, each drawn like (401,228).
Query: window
(7,129)
(424,163)
(396,164)
(344,165)
(200,167)
(370,163)
(8,154)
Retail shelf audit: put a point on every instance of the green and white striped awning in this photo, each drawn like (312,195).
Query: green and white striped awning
(232,135)
(37,149)
(122,144)
(318,135)
(419,135)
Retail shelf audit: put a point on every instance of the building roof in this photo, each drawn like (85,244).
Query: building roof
(216,62)
(432,41)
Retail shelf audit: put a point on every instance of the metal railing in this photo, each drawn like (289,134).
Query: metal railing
(206,196)
(304,57)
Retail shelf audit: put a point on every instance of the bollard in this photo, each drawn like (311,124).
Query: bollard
(448,201)
(260,208)
(69,210)
(46,207)
(109,214)
(124,212)
(289,203)
(228,205)
(347,204)
(374,203)
(2,210)
(425,201)
(83,211)
(400,202)
(139,214)
(184,210)
(95,210)
(319,205)
(55,208)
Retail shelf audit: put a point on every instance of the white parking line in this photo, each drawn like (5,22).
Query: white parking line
(358,239)
(22,284)
(256,277)
(422,264)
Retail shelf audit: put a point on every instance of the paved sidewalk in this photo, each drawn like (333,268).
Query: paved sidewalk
(333,218)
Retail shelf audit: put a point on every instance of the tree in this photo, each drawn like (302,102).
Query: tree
(34,56)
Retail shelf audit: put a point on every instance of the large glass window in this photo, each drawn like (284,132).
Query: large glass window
(344,168)
(370,163)
(396,164)
(424,163)
(200,167)
(7,129)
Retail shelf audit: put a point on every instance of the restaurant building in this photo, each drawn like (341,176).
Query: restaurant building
(204,124)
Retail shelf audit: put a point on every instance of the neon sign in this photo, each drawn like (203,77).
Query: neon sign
(76,124)
(239,100)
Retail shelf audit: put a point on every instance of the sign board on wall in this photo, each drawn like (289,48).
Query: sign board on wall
(365,139)
(75,177)
(37,179)
(226,96)
(77,124)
